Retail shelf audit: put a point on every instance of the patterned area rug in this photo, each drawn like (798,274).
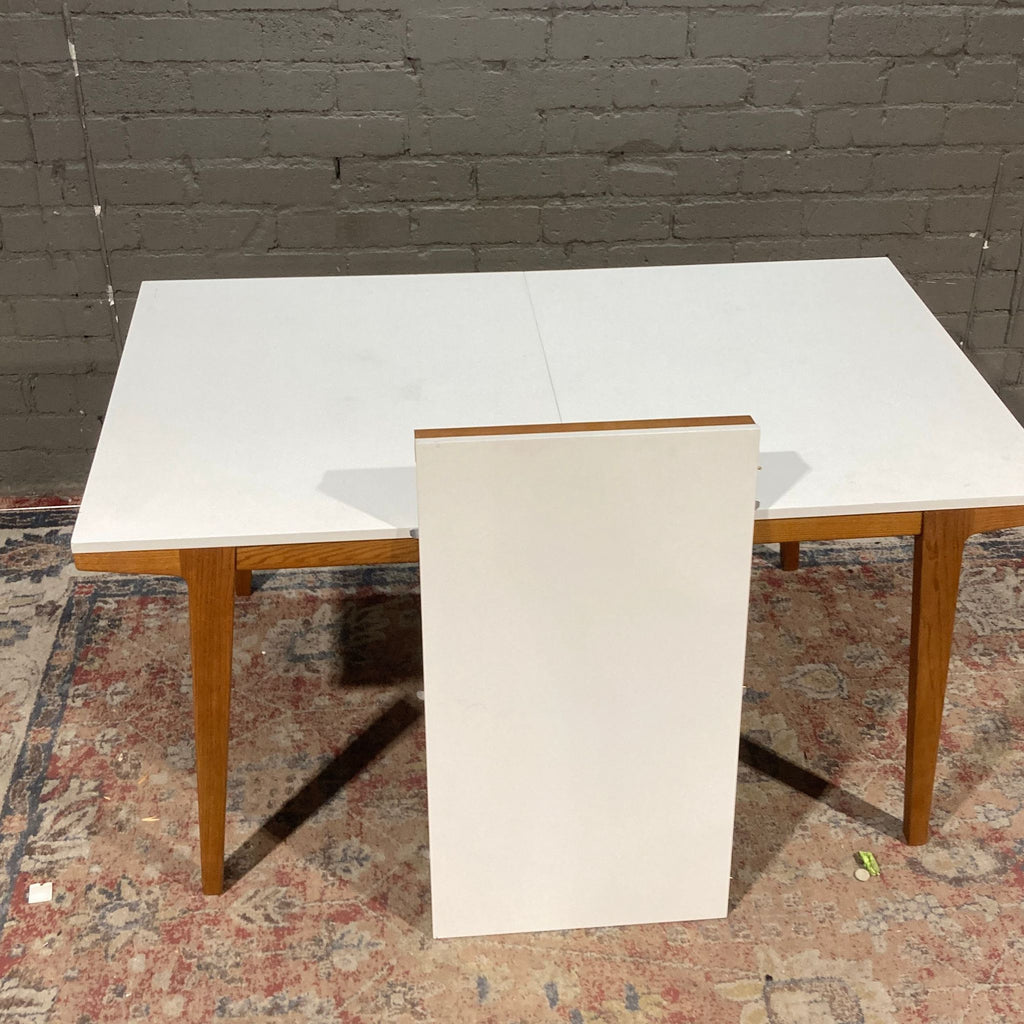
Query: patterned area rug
(327,916)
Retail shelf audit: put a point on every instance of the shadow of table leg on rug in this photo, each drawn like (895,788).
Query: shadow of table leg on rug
(320,789)
(751,857)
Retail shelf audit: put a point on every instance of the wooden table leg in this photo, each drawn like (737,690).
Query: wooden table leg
(938,552)
(210,575)
(789,555)
(243,582)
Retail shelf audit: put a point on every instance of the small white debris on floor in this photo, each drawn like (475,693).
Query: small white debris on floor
(40,892)
(862,874)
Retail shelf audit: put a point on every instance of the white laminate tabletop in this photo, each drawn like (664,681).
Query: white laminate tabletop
(865,404)
(283,410)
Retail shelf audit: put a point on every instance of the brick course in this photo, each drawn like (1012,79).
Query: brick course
(262,137)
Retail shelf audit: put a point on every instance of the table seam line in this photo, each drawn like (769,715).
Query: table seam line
(543,350)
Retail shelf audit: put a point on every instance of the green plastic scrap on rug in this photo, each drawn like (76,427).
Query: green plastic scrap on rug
(869,862)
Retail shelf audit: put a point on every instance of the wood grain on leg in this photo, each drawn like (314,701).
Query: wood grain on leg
(210,574)
(789,555)
(938,551)
(243,582)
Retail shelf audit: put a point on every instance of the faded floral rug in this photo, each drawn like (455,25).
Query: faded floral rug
(326,919)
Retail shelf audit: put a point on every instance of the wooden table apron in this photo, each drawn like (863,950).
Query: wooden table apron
(215,575)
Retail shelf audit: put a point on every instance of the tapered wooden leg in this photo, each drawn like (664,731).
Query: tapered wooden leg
(243,582)
(938,552)
(789,555)
(210,574)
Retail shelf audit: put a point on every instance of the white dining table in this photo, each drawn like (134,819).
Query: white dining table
(269,423)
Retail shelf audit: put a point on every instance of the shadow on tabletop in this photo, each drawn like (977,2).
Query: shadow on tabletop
(778,473)
(387,493)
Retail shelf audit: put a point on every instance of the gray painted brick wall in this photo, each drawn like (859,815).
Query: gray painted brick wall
(258,137)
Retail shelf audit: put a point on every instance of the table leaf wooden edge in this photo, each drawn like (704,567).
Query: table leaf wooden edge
(215,575)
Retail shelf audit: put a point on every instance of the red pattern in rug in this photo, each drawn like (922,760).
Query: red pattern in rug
(327,914)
